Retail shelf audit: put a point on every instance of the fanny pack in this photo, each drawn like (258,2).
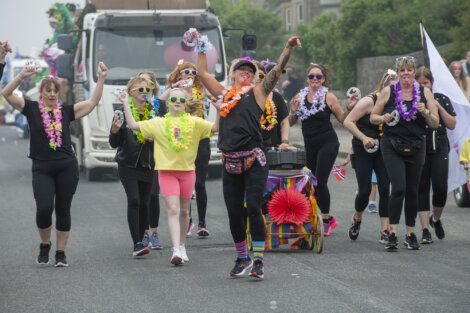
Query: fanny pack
(240,161)
(405,148)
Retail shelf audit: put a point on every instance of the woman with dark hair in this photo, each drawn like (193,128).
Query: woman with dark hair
(314,105)
(368,158)
(405,109)
(436,164)
(55,167)
(245,171)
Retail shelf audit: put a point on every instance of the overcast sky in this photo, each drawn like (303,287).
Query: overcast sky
(24,23)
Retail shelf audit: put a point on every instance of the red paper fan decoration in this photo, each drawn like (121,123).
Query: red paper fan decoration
(289,206)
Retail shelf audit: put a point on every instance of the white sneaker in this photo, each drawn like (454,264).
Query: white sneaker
(176,258)
(184,256)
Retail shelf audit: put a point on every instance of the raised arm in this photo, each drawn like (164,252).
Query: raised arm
(131,123)
(4,49)
(14,100)
(85,107)
(209,81)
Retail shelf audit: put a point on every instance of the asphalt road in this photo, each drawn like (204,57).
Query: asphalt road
(103,277)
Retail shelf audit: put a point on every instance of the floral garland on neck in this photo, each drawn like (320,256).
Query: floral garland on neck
(147,114)
(52,124)
(318,103)
(232,97)
(178,138)
(401,107)
(269,117)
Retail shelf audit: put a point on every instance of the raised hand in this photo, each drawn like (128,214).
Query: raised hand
(294,41)
(102,70)
(4,49)
(27,71)
(124,97)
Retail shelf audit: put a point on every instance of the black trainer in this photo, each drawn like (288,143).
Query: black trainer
(437,225)
(43,257)
(426,238)
(384,236)
(354,229)
(392,243)
(140,249)
(411,242)
(60,259)
(257,270)
(241,266)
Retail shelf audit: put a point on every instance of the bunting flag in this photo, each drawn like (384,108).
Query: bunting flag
(339,172)
(444,83)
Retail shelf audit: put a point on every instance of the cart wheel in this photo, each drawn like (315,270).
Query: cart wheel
(318,236)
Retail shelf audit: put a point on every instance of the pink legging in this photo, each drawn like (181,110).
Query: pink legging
(177,183)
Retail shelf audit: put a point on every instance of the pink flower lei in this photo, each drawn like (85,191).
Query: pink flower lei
(401,107)
(318,103)
(52,124)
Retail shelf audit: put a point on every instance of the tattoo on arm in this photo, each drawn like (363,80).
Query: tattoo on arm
(273,76)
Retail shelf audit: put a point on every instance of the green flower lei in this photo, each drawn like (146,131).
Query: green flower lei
(185,132)
(147,114)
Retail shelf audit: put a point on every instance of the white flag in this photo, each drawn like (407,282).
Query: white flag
(445,83)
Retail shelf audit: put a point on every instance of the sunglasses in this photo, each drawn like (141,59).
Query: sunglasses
(188,72)
(315,76)
(405,59)
(178,99)
(142,89)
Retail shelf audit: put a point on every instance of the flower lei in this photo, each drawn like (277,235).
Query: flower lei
(232,97)
(318,103)
(52,125)
(269,118)
(401,107)
(185,130)
(147,114)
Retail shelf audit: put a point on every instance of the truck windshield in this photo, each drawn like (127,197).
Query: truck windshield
(129,51)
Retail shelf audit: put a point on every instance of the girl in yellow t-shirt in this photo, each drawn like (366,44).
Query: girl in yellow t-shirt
(176,138)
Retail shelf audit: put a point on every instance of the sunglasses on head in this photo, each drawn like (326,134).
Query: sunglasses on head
(178,99)
(405,59)
(188,72)
(142,89)
(261,76)
(315,76)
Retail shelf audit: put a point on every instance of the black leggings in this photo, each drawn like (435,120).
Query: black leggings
(154,207)
(54,181)
(137,187)
(321,155)
(364,164)
(404,174)
(435,172)
(250,184)
(202,164)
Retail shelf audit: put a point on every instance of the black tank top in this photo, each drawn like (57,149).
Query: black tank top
(366,127)
(240,130)
(318,124)
(416,129)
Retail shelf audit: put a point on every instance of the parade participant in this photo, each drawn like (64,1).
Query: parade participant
(176,139)
(405,108)
(436,165)
(151,238)
(184,76)
(135,162)
(55,167)
(274,121)
(4,49)
(368,159)
(245,170)
(313,105)
(456,69)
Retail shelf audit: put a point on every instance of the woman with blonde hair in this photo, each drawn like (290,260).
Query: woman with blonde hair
(456,69)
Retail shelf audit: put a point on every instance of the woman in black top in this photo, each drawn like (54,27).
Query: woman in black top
(405,108)
(314,105)
(136,165)
(367,158)
(55,167)
(436,164)
(245,171)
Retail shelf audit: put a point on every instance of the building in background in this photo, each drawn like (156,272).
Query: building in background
(294,12)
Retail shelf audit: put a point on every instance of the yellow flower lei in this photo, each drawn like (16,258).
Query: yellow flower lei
(146,114)
(269,118)
(186,130)
(197,108)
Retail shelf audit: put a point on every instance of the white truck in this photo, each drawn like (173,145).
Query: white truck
(131,36)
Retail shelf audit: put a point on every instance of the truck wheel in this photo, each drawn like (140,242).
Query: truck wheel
(214,172)
(461,196)
(92,174)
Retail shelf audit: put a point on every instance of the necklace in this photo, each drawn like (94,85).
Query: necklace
(147,114)
(231,99)
(52,123)
(269,117)
(318,103)
(401,107)
(179,135)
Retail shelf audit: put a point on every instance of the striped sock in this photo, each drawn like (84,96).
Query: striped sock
(258,250)
(242,252)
